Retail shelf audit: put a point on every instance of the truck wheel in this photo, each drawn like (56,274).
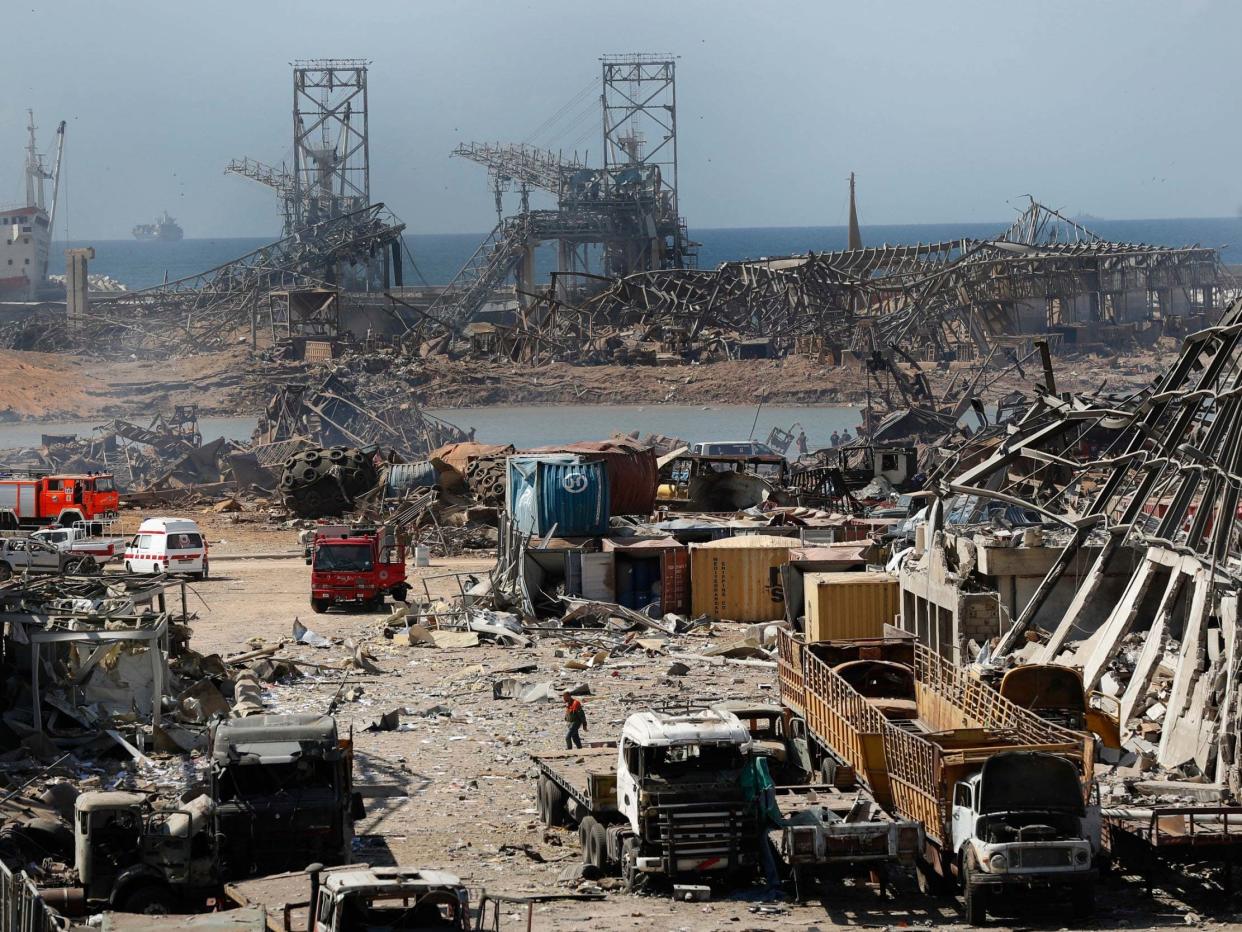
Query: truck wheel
(541,798)
(557,815)
(974,900)
(597,846)
(584,837)
(1082,902)
(400,593)
(149,899)
(6,571)
(635,880)
(930,882)
(319,606)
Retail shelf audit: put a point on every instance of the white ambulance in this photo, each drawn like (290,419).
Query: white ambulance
(167,545)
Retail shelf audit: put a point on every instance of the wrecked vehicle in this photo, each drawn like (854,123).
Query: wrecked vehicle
(1020,821)
(667,799)
(279,793)
(137,859)
(283,792)
(357,565)
(27,555)
(96,539)
(357,898)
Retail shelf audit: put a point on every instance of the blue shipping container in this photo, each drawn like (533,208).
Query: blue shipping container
(558,493)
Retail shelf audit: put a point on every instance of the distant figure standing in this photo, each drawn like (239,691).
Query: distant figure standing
(802,443)
(845,436)
(836,439)
(576,717)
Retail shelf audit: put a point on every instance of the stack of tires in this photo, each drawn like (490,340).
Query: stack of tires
(323,483)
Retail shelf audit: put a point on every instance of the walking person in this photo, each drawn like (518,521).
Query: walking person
(576,717)
(802,447)
(836,439)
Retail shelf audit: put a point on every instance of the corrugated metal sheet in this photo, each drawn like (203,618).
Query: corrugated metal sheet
(844,606)
(632,472)
(558,491)
(402,476)
(738,578)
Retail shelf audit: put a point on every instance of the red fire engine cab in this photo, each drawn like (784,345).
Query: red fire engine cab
(63,499)
(356,566)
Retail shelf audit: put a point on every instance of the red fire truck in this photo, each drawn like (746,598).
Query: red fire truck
(63,499)
(356,565)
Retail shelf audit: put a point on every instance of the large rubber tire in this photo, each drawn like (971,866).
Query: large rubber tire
(974,900)
(584,837)
(149,899)
(597,847)
(541,799)
(319,606)
(635,880)
(6,571)
(557,814)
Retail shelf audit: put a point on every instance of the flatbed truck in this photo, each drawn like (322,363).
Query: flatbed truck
(666,799)
(942,748)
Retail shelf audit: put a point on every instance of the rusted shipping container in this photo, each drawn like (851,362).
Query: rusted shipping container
(848,605)
(739,578)
(632,472)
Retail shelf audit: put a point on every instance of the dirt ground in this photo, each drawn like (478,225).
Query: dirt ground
(453,787)
(49,387)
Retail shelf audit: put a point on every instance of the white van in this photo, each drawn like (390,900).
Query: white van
(167,545)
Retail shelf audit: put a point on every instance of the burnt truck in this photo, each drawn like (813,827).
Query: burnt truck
(279,795)
(933,744)
(667,799)
(283,792)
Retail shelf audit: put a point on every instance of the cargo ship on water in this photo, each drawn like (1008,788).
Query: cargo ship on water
(165,229)
(26,230)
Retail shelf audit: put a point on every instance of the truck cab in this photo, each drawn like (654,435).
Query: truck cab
(140,859)
(364,898)
(283,792)
(679,790)
(358,566)
(1020,821)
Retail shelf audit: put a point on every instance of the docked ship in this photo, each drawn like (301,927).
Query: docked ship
(26,230)
(165,228)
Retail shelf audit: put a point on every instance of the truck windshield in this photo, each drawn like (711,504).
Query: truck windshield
(104,484)
(692,762)
(255,780)
(352,558)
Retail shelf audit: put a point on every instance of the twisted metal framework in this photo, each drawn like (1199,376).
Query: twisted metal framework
(209,310)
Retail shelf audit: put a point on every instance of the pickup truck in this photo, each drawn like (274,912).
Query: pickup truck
(85,538)
(667,799)
(20,555)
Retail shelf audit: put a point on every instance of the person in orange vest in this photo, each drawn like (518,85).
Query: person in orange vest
(576,718)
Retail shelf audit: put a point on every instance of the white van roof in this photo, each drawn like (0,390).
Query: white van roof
(169,525)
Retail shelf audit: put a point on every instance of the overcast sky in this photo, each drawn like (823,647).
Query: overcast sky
(947,111)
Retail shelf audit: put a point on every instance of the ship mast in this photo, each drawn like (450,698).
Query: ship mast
(60,150)
(35,173)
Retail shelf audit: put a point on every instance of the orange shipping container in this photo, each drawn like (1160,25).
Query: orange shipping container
(847,606)
(739,578)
